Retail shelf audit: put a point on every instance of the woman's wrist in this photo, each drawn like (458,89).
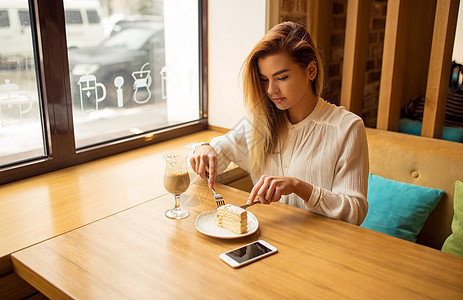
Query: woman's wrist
(303,189)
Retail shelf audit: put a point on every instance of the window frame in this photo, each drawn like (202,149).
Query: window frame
(49,35)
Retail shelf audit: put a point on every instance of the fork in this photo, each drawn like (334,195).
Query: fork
(217,197)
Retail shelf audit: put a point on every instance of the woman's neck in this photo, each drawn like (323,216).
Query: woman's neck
(297,114)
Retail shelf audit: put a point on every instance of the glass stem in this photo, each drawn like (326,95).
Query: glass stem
(177,201)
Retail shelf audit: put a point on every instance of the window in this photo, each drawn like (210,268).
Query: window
(21,131)
(4,19)
(126,84)
(73,17)
(115,77)
(93,17)
(24,18)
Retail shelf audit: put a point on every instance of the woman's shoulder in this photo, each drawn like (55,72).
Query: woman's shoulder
(337,115)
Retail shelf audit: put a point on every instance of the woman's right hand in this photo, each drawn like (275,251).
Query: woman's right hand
(204,162)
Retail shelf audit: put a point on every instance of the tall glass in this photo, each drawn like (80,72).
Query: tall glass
(176,182)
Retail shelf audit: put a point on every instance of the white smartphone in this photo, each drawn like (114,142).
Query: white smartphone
(248,253)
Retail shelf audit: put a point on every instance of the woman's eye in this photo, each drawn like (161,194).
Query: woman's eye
(282,78)
(264,79)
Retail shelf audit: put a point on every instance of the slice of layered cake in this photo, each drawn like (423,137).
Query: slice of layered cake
(232,217)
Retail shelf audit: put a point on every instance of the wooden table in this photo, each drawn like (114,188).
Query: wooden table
(37,208)
(140,254)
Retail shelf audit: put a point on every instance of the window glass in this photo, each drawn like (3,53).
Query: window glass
(73,17)
(4,19)
(93,17)
(21,126)
(24,18)
(139,76)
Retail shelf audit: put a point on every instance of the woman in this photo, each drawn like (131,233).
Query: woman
(298,148)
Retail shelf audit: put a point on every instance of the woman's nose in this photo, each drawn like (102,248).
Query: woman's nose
(272,88)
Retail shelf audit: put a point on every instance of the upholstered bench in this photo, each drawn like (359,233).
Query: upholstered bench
(409,159)
(422,161)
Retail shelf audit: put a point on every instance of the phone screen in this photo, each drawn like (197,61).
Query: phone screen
(248,252)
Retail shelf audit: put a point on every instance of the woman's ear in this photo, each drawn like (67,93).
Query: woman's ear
(312,70)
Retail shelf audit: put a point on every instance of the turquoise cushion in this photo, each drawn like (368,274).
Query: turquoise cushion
(397,208)
(454,243)
(454,134)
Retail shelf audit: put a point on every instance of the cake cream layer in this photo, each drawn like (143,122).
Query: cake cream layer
(232,217)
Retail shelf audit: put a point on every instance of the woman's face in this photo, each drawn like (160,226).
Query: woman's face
(286,83)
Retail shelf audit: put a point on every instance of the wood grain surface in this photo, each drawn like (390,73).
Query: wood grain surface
(42,207)
(141,254)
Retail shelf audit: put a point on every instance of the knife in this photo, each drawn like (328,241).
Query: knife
(250,204)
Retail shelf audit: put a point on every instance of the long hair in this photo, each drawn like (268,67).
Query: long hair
(269,123)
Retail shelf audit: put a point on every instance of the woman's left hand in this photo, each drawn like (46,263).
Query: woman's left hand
(270,188)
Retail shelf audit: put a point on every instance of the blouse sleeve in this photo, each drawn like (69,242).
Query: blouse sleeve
(233,147)
(347,199)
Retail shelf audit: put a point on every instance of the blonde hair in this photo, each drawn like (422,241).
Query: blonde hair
(269,123)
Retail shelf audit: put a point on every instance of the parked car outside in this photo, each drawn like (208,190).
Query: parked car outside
(83,27)
(123,71)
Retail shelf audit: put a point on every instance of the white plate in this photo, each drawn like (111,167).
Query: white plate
(205,224)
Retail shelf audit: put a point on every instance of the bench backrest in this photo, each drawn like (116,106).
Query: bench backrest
(422,161)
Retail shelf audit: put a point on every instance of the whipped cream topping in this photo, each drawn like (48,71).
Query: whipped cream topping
(235,209)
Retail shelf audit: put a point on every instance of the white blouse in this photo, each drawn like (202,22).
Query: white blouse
(327,149)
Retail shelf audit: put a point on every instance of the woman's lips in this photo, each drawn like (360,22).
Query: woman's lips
(278,100)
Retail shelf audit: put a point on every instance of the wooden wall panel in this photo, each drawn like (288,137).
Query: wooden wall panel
(319,26)
(439,67)
(418,49)
(355,54)
(392,74)
(272,14)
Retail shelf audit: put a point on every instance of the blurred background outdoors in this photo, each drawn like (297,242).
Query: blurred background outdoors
(128,69)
